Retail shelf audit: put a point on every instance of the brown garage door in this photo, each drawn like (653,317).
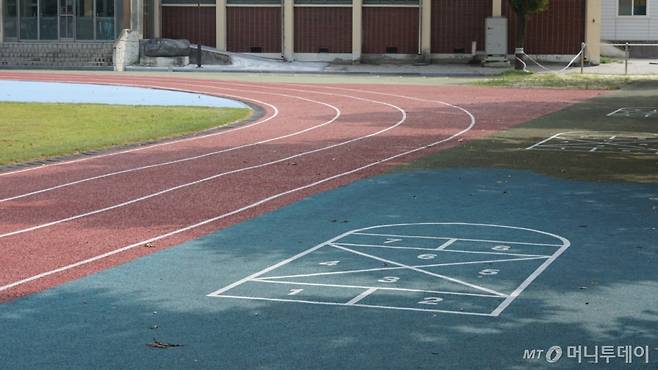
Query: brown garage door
(390,30)
(456,24)
(254,29)
(323,29)
(180,22)
(559,30)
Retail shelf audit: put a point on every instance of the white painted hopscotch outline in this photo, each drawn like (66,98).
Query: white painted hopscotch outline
(368,290)
(602,142)
(642,112)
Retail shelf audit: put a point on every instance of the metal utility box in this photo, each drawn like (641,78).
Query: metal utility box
(496,36)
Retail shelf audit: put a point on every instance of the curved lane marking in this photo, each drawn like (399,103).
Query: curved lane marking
(245,208)
(275,112)
(185,159)
(218,175)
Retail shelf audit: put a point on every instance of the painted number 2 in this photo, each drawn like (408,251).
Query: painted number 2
(431,300)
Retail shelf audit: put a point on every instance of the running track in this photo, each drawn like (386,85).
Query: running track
(62,221)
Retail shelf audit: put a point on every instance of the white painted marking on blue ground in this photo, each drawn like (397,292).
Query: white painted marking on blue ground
(53,92)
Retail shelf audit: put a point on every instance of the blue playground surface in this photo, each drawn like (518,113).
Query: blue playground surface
(53,92)
(455,268)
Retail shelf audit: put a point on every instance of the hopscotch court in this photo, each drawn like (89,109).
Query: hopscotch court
(601,142)
(456,268)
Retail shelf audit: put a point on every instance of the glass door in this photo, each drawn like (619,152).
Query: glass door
(66,20)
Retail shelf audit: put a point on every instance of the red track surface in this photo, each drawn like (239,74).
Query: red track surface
(104,218)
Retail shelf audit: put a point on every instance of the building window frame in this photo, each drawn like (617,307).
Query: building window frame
(634,7)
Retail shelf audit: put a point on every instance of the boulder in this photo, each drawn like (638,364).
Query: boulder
(166,48)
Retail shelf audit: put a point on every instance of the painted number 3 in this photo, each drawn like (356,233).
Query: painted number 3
(389,279)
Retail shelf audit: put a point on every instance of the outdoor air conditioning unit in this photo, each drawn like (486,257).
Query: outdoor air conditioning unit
(496,40)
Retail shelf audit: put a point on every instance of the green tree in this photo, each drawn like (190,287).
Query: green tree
(523,10)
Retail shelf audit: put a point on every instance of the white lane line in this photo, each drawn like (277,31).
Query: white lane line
(545,141)
(446,244)
(615,112)
(274,114)
(443,250)
(530,279)
(361,296)
(155,165)
(263,280)
(253,205)
(465,239)
(448,278)
(354,305)
(209,178)
(401,267)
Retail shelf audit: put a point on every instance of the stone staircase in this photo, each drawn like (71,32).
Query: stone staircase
(56,54)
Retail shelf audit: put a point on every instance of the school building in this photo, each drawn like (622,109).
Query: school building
(59,31)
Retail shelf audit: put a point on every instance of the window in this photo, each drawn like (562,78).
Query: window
(29,19)
(105,20)
(632,7)
(84,26)
(48,20)
(10,24)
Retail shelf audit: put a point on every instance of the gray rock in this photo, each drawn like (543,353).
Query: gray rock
(166,48)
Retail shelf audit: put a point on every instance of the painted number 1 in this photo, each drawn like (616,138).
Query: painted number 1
(489,272)
(295,291)
(431,300)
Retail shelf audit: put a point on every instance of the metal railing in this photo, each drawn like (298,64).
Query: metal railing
(627,52)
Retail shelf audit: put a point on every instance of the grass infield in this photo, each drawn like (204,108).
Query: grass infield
(563,80)
(34,131)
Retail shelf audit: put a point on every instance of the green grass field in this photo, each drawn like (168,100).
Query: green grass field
(33,131)
(563,81)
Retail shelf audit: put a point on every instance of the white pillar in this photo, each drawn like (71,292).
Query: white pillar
(221,25)
(357,30)
(593,31)
(2,17)
(157,18)
(497,8)
(137,17)
(426,29)
(288,30)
